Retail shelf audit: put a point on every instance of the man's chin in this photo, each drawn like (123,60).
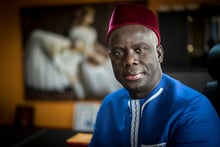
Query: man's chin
(133,87)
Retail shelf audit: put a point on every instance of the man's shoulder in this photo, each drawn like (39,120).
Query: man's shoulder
(118,95)
(115,101)
(178,89)
(181,94)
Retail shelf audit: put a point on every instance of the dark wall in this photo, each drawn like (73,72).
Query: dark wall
(173,30)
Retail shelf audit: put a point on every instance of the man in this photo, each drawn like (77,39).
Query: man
(153,109)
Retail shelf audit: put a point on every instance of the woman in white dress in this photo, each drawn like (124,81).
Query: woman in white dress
(97,75)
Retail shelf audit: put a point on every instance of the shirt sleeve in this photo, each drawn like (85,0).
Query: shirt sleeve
(198,126)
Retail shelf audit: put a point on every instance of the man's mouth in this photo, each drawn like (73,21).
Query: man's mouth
(133,77)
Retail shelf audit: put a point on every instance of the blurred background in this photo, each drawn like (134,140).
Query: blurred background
(188,30)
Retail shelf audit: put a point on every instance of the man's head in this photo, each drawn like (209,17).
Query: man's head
(134,49)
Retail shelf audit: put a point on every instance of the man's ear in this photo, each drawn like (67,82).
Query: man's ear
(160,53)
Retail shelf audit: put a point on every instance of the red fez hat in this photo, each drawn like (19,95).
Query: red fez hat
(126,13)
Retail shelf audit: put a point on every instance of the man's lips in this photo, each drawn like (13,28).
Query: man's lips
(132,77)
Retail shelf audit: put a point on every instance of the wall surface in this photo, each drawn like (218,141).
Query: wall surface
(56,114)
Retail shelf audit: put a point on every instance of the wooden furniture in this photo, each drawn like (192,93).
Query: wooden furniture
(79,140)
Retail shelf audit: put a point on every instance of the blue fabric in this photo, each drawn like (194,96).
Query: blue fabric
(178,117)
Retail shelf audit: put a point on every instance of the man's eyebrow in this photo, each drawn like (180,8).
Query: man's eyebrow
(115,47)
(140,44)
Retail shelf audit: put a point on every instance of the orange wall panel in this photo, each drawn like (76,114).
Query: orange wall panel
(55,115)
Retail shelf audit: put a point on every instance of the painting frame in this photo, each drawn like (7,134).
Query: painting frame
(57,19)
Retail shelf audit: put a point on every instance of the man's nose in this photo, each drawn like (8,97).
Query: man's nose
(130,59)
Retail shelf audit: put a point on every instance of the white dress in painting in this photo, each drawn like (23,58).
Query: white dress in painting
(98,80)
(50,65)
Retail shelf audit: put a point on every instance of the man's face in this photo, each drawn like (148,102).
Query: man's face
(135,59)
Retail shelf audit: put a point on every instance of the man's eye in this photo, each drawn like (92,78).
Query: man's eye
(117,53)
(140,50)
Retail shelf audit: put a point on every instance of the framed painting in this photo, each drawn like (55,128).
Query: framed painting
(65,51)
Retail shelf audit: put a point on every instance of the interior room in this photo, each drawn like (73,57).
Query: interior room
(34,118)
